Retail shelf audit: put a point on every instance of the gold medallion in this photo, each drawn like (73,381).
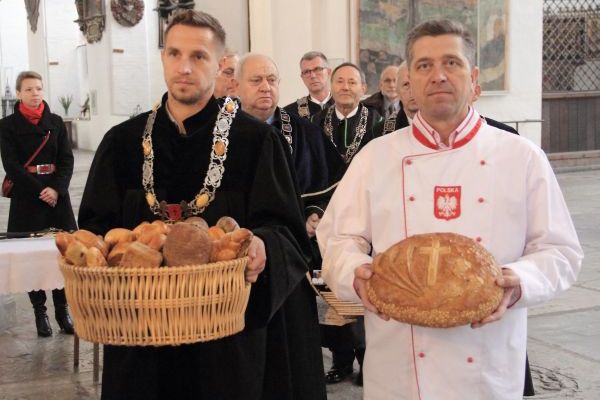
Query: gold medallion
(150,199)
(219,148)
(202,200)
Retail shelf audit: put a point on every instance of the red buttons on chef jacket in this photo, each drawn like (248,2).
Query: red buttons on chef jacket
(478,239)
(422,355)
(408,162)
(481,199)
(482,162)
(469,359)
(411,198)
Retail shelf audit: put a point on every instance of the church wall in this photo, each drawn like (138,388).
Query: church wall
(14,56)
(283,29)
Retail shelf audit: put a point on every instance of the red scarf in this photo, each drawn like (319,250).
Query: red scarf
(33,115)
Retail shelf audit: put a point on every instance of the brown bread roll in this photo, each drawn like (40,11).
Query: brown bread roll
(94,258)
(118,235)
(75,253)
(146,227)
(90,239)
(228,224)
(436,280)
(116,254)
(140,255)
(187,244)
(198,221)
(232,245)
(215,233)
(62,240)
(153,239)
(164,228)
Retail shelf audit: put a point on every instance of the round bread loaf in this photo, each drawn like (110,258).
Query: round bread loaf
(186,244)
(436,280)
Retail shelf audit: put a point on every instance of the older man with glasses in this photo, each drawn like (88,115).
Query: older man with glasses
(315,73)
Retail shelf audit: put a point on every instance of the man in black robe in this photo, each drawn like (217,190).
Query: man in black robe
(277,355)
(349,125)
(317,163)
(315,73)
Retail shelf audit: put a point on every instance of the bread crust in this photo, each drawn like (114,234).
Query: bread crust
(436,280)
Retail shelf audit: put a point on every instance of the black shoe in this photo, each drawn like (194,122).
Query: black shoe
(358,380)
(336,375)
(42,324)
(64,321)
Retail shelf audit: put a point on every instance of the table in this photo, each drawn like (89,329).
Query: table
(31,264)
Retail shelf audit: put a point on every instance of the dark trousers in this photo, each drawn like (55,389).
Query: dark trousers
(38,299)
(345,342)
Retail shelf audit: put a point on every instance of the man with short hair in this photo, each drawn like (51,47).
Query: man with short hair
(224,83)
(194,155)
(386,100)
(348,123)
(402,117)
(506,197)
(315,73)
(317,164)
(350,126)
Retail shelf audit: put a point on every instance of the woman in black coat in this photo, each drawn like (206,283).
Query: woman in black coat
(40,196)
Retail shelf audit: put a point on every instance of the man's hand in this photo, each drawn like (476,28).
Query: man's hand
(311,224)
(361,275)
(257,258)
(50,196)
(512,292)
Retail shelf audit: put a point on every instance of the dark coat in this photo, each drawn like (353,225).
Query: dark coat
(376,102)
(317,163)
(313,107)
(400,121)
(277,355)
(338,138)
(19,139)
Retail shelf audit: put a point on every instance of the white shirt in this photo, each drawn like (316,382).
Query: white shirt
(342,117)
(321,103)
(509,201)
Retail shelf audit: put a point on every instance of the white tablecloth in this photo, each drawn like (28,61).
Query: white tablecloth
(29,264)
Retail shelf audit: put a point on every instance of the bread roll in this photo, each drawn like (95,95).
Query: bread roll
(228,224)
(116,254)
(140,255)
(75,253)
(90,239)
(435,280)
(146,227)
(215,233)
(198,221)
(164,228)
(94,258)
(153,239)
(187,244)
(118,235)
(231,246)
(62,240)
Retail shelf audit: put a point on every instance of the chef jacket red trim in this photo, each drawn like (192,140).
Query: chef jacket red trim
(463,134)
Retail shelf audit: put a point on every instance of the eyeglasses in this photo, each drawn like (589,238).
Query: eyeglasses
(315,70)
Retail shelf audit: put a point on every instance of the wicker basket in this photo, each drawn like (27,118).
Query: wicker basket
(343,308)
(157,306)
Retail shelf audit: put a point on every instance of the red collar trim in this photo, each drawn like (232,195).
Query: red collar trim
(459,143)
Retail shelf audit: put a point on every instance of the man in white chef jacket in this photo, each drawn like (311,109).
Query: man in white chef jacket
(506,197)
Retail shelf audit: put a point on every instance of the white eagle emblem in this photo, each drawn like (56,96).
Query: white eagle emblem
(447,202)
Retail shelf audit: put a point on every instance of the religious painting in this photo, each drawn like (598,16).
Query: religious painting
(384,24)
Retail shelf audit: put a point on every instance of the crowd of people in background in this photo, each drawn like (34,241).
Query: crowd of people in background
(328,181)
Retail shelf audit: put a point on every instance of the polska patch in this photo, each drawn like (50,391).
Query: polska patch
(446,202)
